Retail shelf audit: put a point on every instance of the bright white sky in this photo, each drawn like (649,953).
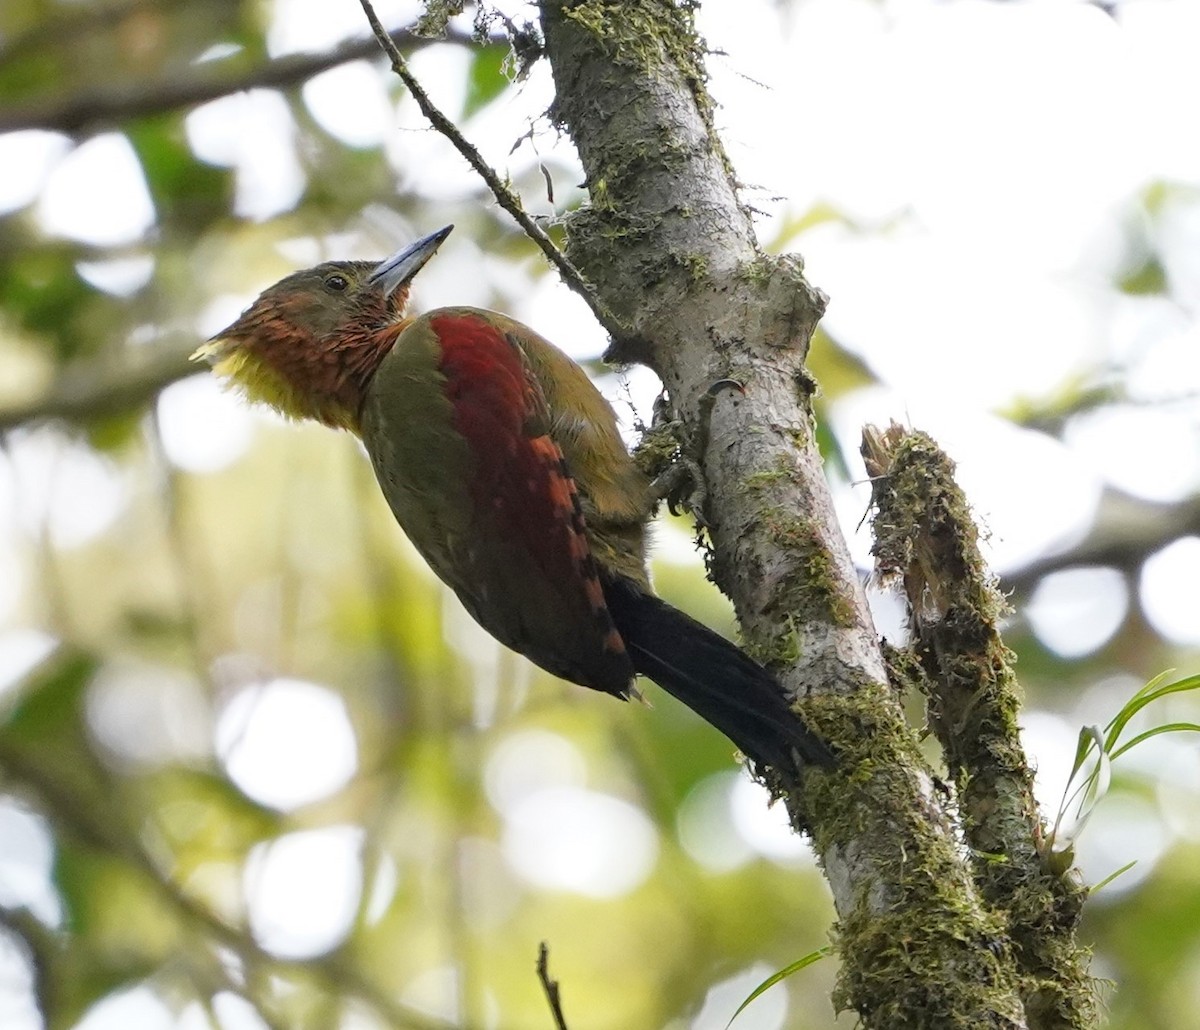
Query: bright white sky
(1002,145)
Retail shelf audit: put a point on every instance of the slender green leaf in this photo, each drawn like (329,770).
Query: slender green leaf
(1089,737)
(783,974)
(1112,876)
(1091,788)
(1169,727)
(1152,691)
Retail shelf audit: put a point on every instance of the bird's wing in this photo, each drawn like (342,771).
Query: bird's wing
(457,426)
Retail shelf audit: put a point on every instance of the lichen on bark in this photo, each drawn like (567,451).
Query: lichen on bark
(671,249)
(926,538)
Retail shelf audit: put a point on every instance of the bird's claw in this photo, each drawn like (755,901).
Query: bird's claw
(679,480)
(681,485)
(721,384)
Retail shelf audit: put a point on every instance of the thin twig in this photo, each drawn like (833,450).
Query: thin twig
(550,986)
(505,197)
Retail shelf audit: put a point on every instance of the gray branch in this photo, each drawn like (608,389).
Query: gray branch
(98,389)
(107,105)
(671,249)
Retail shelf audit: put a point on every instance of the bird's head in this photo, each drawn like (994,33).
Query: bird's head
(309,345)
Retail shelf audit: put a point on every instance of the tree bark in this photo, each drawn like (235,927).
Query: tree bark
(672,252)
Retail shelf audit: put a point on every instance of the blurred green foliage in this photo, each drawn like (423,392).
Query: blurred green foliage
(282,561)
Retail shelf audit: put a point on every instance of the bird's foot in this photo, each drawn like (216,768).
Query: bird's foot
(681,485)
(671,455)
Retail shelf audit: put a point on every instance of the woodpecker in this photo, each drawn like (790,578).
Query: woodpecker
(503,464)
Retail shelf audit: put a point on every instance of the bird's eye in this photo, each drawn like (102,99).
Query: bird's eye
(336,282)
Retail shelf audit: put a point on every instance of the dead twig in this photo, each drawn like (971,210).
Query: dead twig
(550,986)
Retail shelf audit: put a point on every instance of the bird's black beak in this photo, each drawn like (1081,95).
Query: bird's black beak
(397,270)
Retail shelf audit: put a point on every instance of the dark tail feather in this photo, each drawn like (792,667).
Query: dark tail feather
(714,678)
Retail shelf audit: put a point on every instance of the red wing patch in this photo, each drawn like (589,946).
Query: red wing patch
(522,488)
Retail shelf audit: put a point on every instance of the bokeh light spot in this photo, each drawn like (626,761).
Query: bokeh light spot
(1123,829)
(766,1012)
(18,1003)
(204,427)
(253,132)
(97,194)
(568,839)
(121,277)
(1149,452)
(136,1007)
(302,890)
(54,474)
(1076,611)
(530,761)
(1168,590)
(149,714)
(21,651)
(26,858)
(765,827)
(27,158)
(287,743)
(706,828)
(350,103)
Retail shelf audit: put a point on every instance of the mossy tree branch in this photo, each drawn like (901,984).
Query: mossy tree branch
(672,251)
(926,539)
